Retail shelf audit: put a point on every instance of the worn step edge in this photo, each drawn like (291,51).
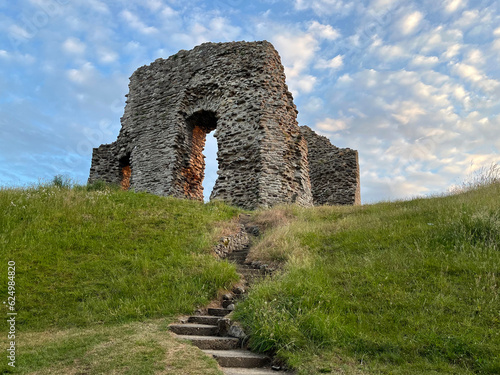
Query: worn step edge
(213,342)
(194,329)
(238,358)
(240,259)
(218,311)
(252,371)
(204,319)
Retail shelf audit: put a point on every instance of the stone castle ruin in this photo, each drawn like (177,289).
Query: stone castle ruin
(237,90)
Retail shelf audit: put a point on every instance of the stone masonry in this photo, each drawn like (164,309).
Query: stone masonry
(237,90)
(334,172)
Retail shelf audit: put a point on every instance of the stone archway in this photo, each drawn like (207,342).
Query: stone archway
(199,124)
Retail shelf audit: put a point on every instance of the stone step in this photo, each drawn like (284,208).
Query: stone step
(240,257)
(238,358)
(204,319)
(194,329)
(218,312)
(252,371)
(241,251)
(238,252)
(213,342)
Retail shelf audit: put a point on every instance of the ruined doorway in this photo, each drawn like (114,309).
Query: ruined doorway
(199,124)
(211,165)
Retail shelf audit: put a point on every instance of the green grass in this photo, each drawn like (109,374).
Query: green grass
(130,348)
(391,288)
(90,257)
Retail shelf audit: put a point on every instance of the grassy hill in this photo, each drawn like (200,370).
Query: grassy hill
(93,263)
(391,288)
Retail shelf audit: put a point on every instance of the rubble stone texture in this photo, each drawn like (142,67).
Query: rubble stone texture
(334,172)
(237,90)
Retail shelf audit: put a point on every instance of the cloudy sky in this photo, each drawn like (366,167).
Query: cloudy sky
(414,86)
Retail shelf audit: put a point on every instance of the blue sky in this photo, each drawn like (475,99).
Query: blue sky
(413,86)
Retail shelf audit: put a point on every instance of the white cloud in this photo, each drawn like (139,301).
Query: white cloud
(314,104)
(382,4)
(154,5)
(475,57)
(468,18)
(332,125)
(336,63)
(322,7)
(453,5)
(17,57)
(496,32)
(74,46)
(107,56)
(98,6)
(424,61)
(134,21)
(390,52)
(296,50)
(221,28)
(18,32)
(168,12)
(446,43)
(408,111)
(410,23)
(452,51)
(496,45)
(460,92)
(324,31)
(83,75)
(345,79)
(468,72)
(302,84)
(206,30)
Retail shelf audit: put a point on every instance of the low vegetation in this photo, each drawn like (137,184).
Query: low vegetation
(93,263)
(392,288)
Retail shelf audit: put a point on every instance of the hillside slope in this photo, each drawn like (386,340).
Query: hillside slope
(392,288)
(92,261)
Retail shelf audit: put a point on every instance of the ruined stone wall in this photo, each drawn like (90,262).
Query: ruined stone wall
(334,172)
(239,90)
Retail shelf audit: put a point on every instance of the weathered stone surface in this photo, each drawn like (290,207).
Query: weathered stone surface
(193,329)
(212,342)
(334,172)
(238,358)
(237,89)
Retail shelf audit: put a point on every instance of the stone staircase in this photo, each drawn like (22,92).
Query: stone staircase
(223,339)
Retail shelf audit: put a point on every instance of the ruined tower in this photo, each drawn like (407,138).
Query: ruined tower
(237,90)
